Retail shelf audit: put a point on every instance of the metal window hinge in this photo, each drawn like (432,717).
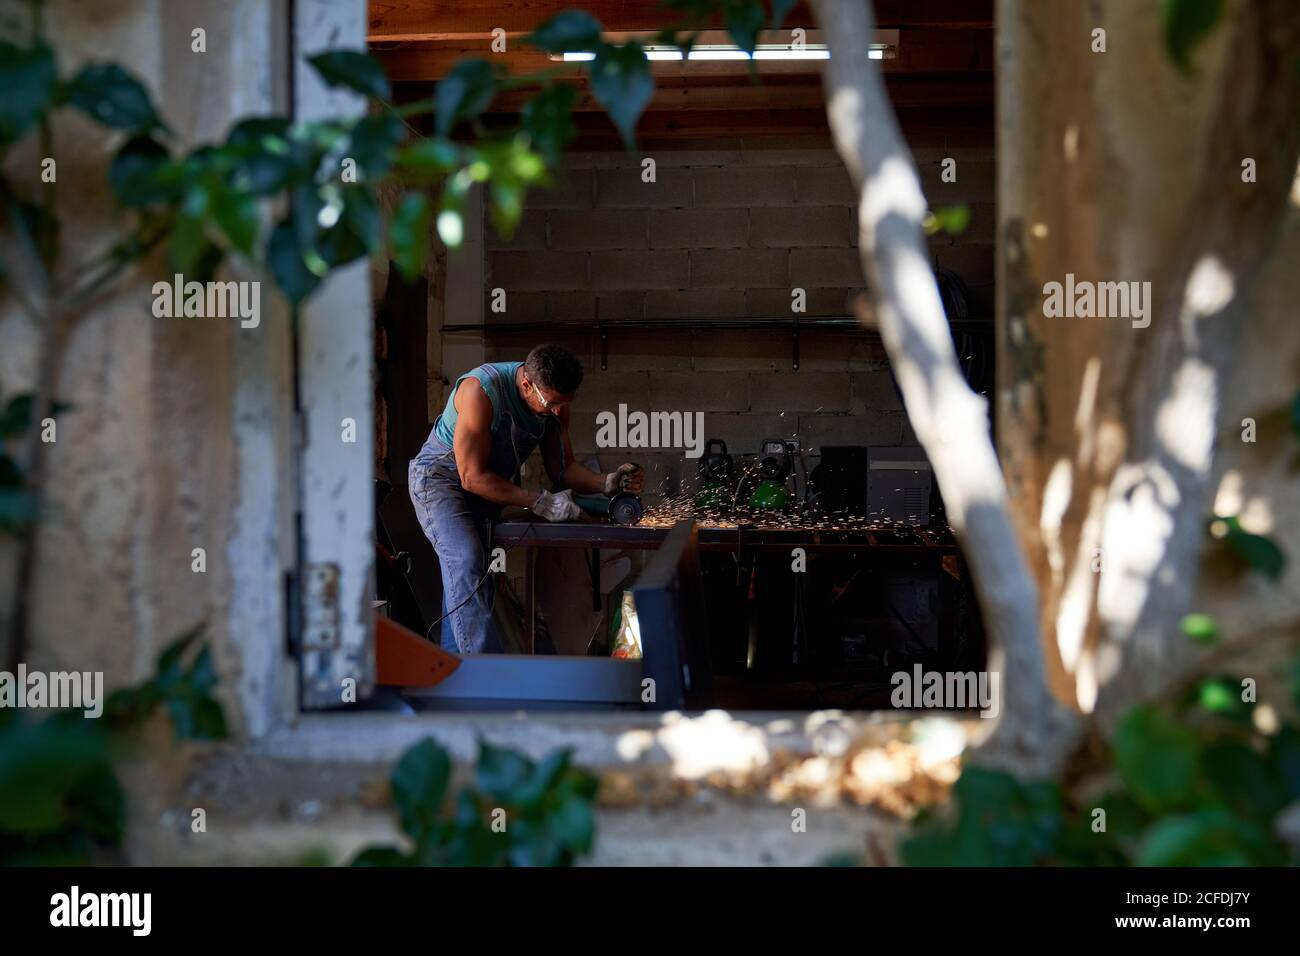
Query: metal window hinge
(320,607)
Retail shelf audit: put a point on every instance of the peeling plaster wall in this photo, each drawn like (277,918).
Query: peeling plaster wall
(178,433)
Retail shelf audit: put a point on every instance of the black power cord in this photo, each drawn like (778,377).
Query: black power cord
(428,634)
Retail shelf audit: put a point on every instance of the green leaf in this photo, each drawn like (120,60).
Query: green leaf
(97,804)
(374,143)
(569,31)
(40,765)
(408,234)
(264,132)
(142,173)
(622,83)
(501,771)
(1260,552)
(382,856)
(950,219)
(197,717)
(238,216)
(463,93)
(436,154)
(1211,837)
(419,786)
(574,825)
(1185,24)
(507,207)
(743,19)
(1157,759)
(354,69)
(16,417)
(189,241)
(1284,755)
(285,260)
(29,79)
(547,120)
(110,95)
(1222,696)
(170,667)
(18,508)
(1200,628)
(1245,779)
(264,158)
(780,9)
(1000,822)
(361,219)
(842,859)
(40,225)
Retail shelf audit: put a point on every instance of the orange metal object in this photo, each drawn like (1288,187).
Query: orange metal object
(405,659)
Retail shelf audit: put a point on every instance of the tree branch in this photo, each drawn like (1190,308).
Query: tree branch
(949,419)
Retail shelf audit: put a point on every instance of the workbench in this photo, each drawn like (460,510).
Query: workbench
(596,536)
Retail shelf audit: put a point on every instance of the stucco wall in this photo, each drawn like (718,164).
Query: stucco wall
(177,433)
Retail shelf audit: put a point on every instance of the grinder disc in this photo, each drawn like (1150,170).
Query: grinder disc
(625,508)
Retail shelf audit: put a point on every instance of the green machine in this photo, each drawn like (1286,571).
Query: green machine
(716,470)
(775,463)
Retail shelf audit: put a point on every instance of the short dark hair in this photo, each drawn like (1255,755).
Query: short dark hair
(554,367)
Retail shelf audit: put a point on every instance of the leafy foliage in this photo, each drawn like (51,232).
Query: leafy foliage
(518,813)
(1197,785)
(1255,551)
(29,80)
(353,69)
(621,82)
(950,219)
(1185,23)
(18,506)
(60,801)
(320,177)
(110,95)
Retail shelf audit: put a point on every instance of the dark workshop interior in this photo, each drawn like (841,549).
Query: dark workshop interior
(797,555)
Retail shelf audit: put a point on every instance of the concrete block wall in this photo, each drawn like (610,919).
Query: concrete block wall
(722,232)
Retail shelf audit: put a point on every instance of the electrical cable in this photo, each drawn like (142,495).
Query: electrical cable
(428,634)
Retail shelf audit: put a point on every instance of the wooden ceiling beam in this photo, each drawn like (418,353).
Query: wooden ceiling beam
(773,96)
(393,20)
(922,50)
(922,126)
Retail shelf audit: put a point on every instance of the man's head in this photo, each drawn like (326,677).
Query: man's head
(551,375)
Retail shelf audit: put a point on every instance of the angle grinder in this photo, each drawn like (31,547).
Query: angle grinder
(624,508)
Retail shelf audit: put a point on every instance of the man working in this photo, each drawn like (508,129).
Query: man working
(469,467)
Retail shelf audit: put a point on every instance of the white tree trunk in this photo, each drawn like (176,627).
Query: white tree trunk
(949,419)
(1115,167)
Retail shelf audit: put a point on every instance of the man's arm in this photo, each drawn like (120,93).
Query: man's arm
(473,442)
(565,470)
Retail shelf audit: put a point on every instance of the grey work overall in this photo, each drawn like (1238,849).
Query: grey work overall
(458,522)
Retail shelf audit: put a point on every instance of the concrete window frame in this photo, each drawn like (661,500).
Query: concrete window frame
(335,355)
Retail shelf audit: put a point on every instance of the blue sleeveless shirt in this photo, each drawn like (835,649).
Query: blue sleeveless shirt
(516,430)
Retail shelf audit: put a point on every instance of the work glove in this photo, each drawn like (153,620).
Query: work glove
(627,477)
(558,507)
